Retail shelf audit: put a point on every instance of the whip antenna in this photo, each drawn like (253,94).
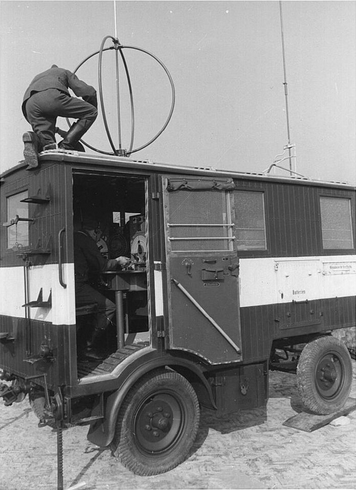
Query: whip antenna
(115,20)
(289,146)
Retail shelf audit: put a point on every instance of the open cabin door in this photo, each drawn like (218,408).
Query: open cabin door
(202,267)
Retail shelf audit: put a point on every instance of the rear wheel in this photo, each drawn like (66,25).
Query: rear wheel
(324,375)
(157,424)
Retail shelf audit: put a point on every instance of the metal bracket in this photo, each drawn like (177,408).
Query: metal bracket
(39,303)
(15,220)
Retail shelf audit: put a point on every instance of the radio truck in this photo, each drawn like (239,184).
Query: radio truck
(231,275)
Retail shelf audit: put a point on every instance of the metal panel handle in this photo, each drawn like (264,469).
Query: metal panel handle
(60,268)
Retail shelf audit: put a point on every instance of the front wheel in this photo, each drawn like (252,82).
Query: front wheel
(324,375)
(157,423)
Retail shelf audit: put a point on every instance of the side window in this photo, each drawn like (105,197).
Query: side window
(17,230)
(200,221)
(250,220)
(336,223)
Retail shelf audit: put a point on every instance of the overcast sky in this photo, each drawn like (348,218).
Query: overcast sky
(226,62)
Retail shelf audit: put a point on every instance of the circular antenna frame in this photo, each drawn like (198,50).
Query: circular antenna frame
(119,50)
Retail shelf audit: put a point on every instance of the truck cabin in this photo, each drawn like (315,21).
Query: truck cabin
(117,205)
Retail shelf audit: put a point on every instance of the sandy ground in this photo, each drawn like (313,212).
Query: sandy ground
(249,450)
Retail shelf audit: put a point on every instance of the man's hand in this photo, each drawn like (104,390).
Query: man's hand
(122,261)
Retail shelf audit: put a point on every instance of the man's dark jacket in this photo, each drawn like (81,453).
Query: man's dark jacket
(88,261)
(60,79)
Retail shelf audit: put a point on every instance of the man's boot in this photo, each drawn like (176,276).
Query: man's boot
(91,351)
(77,146)
(31,147)
(76,131)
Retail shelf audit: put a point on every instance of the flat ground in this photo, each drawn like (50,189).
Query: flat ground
(249,450)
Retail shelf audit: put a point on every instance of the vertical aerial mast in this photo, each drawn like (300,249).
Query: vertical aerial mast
(289,146)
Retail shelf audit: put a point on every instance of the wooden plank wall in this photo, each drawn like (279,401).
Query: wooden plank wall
(293,229)
(293,225)
(51,179)
(60,338)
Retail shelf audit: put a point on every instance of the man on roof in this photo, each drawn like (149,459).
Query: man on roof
(47,98)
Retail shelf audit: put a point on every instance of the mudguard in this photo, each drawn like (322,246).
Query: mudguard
(101,432)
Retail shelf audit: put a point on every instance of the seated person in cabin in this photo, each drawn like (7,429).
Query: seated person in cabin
(88,261)
(48,97)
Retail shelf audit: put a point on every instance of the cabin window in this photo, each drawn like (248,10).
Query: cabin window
(250,220)
(336,223)
(17,230)
(200,221)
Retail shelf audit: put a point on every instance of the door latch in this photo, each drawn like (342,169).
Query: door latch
(188,265)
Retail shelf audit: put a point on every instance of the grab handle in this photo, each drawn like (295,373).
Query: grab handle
(60,267)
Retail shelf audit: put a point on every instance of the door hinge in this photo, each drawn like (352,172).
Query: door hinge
(234,269)
(161,334)
(158,266)
(155,195)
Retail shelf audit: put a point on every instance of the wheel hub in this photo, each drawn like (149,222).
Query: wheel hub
(159,420)
(329,375)
(158,423)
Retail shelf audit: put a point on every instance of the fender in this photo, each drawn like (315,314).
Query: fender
(101,432)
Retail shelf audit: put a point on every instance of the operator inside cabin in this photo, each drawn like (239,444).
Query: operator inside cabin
(48,97)
(88,264)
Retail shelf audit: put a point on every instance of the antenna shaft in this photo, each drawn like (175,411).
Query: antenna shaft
(285,87)
(117,82)
(115,22)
